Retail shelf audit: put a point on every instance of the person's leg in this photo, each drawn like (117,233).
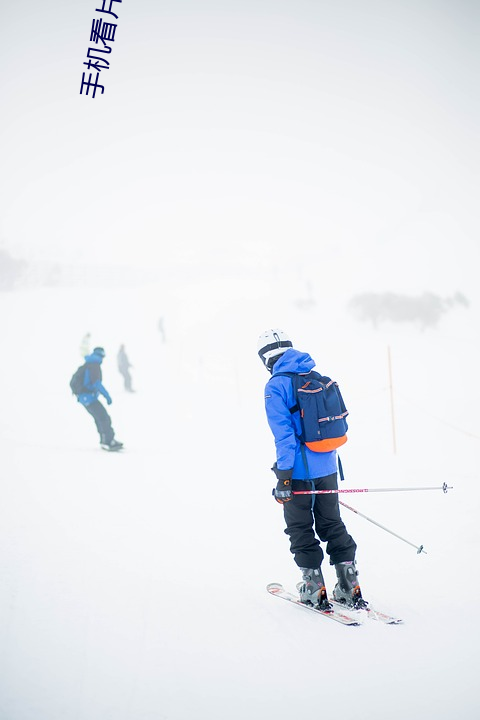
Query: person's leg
(304,545)
(102,421)
(127,380)
(341,546)
(329,525)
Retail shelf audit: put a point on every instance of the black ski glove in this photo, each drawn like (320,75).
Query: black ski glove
(282,474)
(283,492)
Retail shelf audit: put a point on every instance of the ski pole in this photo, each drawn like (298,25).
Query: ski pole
(443,487)
(419,548)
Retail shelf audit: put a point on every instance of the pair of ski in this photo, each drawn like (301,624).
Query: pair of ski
(338,613)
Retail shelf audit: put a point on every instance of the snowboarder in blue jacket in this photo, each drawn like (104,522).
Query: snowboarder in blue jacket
(309,518)
(92,388)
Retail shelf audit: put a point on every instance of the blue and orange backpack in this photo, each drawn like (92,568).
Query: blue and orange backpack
(322,410)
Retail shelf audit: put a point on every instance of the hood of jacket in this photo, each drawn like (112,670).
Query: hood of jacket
(293,361)
(93,358)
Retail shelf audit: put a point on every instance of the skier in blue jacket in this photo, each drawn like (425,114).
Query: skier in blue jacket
(93,387)
(309,518)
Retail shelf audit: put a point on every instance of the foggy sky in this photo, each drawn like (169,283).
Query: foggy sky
(242,129)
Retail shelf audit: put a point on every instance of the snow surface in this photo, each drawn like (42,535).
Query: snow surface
(133,585)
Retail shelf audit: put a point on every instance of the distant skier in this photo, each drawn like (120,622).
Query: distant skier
(87,386)
(161,329)
(85,345)
(300,468)
(124,366)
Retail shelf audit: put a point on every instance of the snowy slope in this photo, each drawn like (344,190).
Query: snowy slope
(133,585)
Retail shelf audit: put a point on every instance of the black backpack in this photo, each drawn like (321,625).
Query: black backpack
(78,378)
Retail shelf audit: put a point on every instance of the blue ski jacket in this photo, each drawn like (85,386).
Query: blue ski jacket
(285,426)
(93,381)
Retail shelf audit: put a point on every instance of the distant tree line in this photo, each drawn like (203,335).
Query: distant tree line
(426,309)
(11,270)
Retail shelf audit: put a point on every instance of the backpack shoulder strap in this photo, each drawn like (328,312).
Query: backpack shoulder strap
(86,376)
(293,377)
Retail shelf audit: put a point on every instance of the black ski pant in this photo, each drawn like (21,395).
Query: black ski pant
(310,517)
(102,421)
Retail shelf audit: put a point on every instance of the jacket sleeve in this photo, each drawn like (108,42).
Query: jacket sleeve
(99,387)
(281,424)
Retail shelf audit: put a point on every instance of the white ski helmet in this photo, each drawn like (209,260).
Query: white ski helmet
(271,344)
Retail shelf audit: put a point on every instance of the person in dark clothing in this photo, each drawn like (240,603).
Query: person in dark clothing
(309,518)
(124,366)
(161,329)
(92,388)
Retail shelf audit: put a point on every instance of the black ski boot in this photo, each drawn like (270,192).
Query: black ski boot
(347,590)
(312,589)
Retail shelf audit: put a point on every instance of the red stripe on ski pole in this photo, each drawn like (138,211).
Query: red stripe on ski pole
(443,487)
